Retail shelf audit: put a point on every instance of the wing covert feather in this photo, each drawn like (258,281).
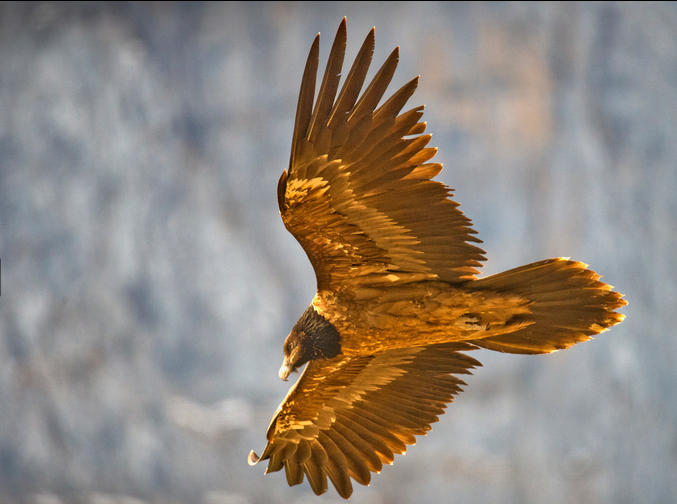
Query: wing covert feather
(346,416)
(358,195)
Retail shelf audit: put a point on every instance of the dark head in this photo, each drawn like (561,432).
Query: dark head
(311,338)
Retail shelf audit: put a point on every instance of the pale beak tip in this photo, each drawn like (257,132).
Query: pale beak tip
(284,372)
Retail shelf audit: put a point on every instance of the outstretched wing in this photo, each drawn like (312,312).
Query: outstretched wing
(345,417)
(358,195)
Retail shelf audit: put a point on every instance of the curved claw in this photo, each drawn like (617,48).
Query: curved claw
(253,458)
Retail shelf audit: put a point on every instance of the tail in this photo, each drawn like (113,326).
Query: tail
(568,305)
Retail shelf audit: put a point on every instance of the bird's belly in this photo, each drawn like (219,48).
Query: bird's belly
(418,315)
(403,334)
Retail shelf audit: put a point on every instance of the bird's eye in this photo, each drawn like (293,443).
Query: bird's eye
(287,347)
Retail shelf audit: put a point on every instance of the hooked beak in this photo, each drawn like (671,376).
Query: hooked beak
(285,370)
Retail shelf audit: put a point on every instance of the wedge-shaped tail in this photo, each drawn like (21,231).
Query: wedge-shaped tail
(568,305)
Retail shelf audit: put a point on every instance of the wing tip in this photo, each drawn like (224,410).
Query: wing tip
(342,29)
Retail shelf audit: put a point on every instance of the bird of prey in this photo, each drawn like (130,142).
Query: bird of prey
(398,302)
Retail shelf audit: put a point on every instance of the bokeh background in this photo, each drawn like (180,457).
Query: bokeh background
(148,282)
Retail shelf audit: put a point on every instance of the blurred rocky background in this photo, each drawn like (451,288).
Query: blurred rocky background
(148,282)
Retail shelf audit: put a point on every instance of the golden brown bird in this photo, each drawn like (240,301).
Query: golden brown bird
(397,298)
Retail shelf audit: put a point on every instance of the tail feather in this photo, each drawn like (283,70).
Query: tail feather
(568,305)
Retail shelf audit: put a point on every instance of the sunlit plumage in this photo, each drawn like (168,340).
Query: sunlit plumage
(397,298)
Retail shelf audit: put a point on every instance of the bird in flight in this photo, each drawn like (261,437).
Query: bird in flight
(398,302)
